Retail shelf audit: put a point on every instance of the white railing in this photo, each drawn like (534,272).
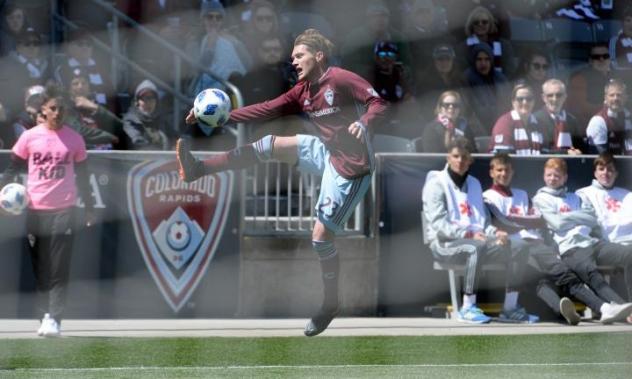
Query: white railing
(279,200)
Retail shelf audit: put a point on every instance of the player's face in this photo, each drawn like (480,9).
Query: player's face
(501,174)
(307,63)
(554,97)
(554,178)
(606,174)
(615,98)
(523,102)
(459,161)
(53,111)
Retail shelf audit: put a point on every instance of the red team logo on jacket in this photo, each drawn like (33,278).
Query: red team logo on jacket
(613,205)
(177,225)
(565,208)
(465,209)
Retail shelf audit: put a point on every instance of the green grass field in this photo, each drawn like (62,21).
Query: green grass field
(590,355)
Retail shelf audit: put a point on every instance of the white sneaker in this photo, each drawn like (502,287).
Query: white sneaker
(53,329)
(43,324)
(615,312)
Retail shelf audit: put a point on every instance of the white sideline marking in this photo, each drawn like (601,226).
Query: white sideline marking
(429,365)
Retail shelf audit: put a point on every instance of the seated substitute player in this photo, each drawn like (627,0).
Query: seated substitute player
(459,230)
(330,97)
(512,212)
(613,207)
(571,223)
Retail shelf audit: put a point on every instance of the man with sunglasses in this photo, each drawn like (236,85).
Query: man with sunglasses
(562,133)
(583,100)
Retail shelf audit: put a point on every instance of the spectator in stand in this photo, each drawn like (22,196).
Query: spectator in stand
(447,125)
(423,29)
(100,128)
(14,23)
(610,129)
(145,127)
(518,131)
(482,27)
(80,55)
(262,24)
(534,71)
(571,223)
(357,48)
(583,98)
(487,91)
(6,134)
(562,133)
(28,117)
(613,207)
(271,77)
(22,68)
(458,226)
(216,50)
(621,46)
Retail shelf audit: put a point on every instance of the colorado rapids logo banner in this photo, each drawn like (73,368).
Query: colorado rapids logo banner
(177,225)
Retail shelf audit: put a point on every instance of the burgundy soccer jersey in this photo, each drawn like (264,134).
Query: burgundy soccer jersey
(339,98)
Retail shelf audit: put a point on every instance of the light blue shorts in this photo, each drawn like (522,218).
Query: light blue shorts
(338,196)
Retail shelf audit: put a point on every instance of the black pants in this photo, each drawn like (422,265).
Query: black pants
(617,255)
(50,235)
(560,274)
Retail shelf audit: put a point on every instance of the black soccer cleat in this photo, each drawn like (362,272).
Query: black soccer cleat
(189,167)
(320,322)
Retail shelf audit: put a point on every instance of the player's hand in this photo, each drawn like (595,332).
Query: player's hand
(190,119)
(85,103)
(574,151)
(502,238)
(357,130)
(479,236)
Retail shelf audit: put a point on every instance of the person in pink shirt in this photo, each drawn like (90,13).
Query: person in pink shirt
(51,153)
(343,108)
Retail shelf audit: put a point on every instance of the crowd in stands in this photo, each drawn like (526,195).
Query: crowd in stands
(448,68)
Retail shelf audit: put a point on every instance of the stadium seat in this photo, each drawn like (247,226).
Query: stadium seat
(384,143)
(416,146)
(604,29)
(569,41)
(525,31)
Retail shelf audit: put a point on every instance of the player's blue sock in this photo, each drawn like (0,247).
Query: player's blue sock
(330,265)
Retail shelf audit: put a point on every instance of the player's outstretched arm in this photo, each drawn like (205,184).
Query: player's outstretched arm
(190,118)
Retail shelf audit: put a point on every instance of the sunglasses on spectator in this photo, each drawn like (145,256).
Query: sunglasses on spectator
(556,95)
(450,105)
(540,66)
(599,56)
(481,22)
(214,16)
(387,54)
(521,99)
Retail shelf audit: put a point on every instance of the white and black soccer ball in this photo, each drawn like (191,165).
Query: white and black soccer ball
(13,198)
(212,107)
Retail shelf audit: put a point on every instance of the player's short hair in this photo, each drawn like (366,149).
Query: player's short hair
(556,164)
(461,144)
(315,41)
(500,159)
(604,159)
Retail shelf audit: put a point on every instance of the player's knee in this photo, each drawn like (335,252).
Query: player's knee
(264,148)
(324,249)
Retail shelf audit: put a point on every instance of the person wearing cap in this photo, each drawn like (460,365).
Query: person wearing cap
(100,128)
(357,47)
(145,127)
(24,67)
(221,53)
(80,55)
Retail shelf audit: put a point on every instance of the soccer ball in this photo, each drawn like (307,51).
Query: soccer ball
(212,107)
(13,198)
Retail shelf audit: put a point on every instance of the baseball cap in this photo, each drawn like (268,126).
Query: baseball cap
(212,6)
(443,51)
(377,7)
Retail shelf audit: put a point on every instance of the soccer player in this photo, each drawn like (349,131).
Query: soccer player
(343,106)
(53,153)
(571,222)
(459,231)
(512,212)
(613,207)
